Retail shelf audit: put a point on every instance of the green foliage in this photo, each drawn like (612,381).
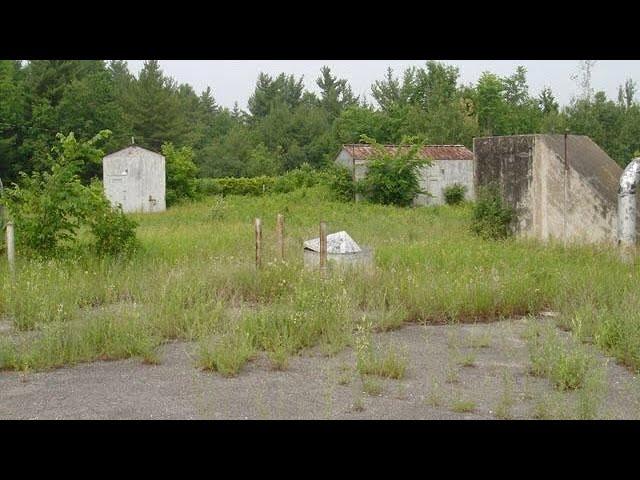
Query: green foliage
(285,125)
(340,182)
(237,186)
(50,208)
(200,258)
(181,173)
(302,177)
(491,216)
(567,366)
(393,176)
(114,232)
(454,194)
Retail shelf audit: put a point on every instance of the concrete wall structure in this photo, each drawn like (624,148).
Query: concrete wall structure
(135,178)
(450,164)
(570,198)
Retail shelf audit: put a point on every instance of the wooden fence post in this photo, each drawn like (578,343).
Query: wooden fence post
(280,235)
(323,247)
(258,225)
(11,247)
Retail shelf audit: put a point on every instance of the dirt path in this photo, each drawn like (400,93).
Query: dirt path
(437,385)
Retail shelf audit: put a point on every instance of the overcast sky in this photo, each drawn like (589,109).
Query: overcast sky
(234,80)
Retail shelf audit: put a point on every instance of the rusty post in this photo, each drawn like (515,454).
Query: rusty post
(258,225)
(323,247)
(280,235)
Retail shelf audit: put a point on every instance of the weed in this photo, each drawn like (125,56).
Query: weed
(452,374)
(434,397)
(371,386)
(466,359)
(388,364)
(463,406)
(482,340)
(567,366)
(226,356)
(506,401)
(358,404)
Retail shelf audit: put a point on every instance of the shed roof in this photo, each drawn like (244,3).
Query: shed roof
(131,150)
(435,152)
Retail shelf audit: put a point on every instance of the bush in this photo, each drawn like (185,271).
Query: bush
(392,177)
(302,177)
(50,208)
(208,186)
(181,173)
(243,186)
(454,194)
(340,182)
(113,231)
(491,216)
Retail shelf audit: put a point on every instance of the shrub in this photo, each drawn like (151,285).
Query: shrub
(491,216)
(392,177)
(208,186)
(340,182)
(241,186)
(181,173)
(454,194)
(113,231)
(49,208)
(302,177)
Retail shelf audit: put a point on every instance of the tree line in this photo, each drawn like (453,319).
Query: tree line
(286,125)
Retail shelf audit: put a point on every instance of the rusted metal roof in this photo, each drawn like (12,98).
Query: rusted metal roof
(434,152)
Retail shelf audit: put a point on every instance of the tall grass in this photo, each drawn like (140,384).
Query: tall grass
(194,279)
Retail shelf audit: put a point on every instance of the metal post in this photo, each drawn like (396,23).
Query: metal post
(258,225)
(280,235)
(323,247)
(11,247)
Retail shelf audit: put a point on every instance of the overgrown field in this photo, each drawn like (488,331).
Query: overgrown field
(195,279)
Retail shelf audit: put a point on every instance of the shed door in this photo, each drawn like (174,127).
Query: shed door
(118,187)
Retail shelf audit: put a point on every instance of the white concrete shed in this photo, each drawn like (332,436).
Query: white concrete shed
(135,178)
(450,164)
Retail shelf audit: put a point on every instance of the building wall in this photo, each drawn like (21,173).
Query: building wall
(508,162)
(586,215)
(441,174)
(142,188)
(530,170)
(434,178)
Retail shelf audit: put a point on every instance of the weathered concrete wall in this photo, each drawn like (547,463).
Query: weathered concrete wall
(432,179)
(441,174)
(508,162)
(135,178)
(574,201)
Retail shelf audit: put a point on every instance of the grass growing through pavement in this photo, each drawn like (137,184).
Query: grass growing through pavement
(568,366)
(195,280)
(463,406)
(226,356)
(387,363)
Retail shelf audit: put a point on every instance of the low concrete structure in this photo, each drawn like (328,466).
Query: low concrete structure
(562,188)
(450,164)
(339,242)
(135,178)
